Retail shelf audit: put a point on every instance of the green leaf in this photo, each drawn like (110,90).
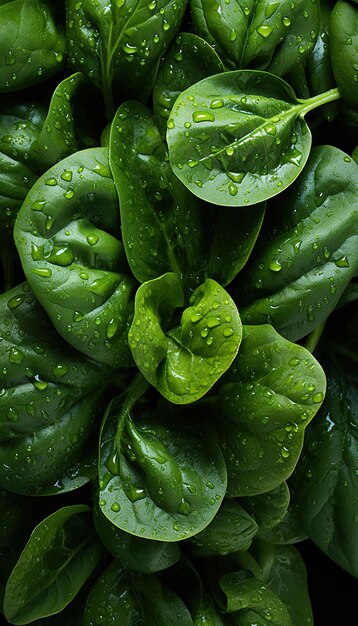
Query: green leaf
(60,555)
(160,219)
(268,509)
(183,362)
(257,601)
(325,487)
(261,34)
(66,128)
(56,458)
(188,60)
(343,29)
(66,234)
(272,391)
(41,377)
(160,480)
(33,44)
(119,44)
(122,598)
(308,253)
(138,554)
(231,530)
(247,139)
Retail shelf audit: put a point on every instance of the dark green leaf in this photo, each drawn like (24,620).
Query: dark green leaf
(138,554)
(260,34)
(33,44)
(343,50)
(66,234)
(60,555)
(239,138)
(325,483)
(257,601)
(41,377)
(268,509)
(231,530)
(119,44)
(183,362)
(309,253)
(188,60)
(160,480)
(273,390)
(121,598)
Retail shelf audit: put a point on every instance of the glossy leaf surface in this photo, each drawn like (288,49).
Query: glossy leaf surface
(259,34)
(123,598)
(343,50)
(273,390)
(60,555)
(33,44)
(188,60)
(183,361)
(325,482)
(158,480)
(238,138)
(41,376)
(119,44)
(66,234)
(309,253)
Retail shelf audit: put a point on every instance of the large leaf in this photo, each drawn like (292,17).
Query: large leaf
(160,480)
(309,253)
(260,34)
(60,555)
(66,234)
(183,361)
(272,391)
(33,44)
(122,598)
(239,138)
(41,376)
(119,44)
(325,485)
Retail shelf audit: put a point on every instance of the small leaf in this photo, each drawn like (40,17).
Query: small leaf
(60,555)
(183,362)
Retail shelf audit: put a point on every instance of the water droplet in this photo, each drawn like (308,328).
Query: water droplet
(51,182)
(195,317)
(170,123)
(203,116)
(38,205)
(92,239)
(129,49)
(44,272)
(318,397)
(184,508)
(212,322)
(115,507)
(275,266)
(232,189)
(67,175)
(16,356)
(112,328)
(69,194)
(41,385)
(343,262)
(293,362)
(265,30)
(60,370)
(217,103)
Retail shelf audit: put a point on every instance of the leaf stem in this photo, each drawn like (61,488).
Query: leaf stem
(318,101)
(314,337)
(136,389)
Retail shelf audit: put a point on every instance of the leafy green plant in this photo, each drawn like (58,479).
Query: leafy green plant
(178,326)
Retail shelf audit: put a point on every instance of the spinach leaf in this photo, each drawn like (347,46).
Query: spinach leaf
(122,598)
(160,218)
(57,458)
(308,255)
(159,480)
(188,60)
(60,555)
(325,482)
(66,234)
(33,44)
(239,138)
(183,361)
(138,554)
(41,376)
(164,227)
(119,44)
(343,50)
(268,509)
(231,530)
(66,128)
(258,34)
(258,603)
(272,391)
